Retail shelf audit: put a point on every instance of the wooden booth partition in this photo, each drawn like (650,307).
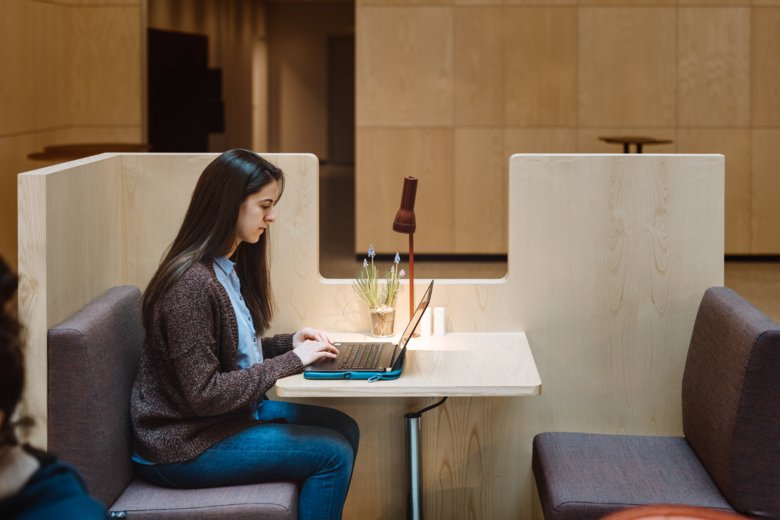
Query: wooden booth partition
(608,258)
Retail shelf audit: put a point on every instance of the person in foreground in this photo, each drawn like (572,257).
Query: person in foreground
(198,406)
(33,484)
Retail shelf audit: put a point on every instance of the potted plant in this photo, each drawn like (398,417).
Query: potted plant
(380,301)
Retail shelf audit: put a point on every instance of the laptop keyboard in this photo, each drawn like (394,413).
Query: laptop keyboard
(360,355)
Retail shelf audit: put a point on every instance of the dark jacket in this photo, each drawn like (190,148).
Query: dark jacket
(188,394)
(55,490)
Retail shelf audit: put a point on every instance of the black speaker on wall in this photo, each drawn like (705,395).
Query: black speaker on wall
(185,102)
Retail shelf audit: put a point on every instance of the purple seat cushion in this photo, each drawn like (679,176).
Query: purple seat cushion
(271,501)
(93,358)
(586,476)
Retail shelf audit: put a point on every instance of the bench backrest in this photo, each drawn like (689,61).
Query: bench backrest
(731,400)
(92,361)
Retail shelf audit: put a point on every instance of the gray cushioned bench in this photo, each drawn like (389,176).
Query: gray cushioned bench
(729,458)
(92,360)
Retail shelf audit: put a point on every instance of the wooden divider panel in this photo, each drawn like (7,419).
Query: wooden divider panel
(608,258)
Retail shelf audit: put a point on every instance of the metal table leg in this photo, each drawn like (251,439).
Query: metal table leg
(414,455)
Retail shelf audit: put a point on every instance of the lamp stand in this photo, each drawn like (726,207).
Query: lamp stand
(411,275)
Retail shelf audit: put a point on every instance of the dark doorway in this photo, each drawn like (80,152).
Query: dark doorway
(341,99)
(184,95)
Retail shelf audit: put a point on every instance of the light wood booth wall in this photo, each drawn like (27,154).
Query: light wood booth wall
(72,73)
(609,256)
(448,89)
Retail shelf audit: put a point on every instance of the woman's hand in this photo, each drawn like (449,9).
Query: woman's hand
(311,351)
(310,334)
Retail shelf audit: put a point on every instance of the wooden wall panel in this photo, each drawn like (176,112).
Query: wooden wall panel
(11,158)
(479,71)
(404,66)
(619,247)
(714,66)
(710,3)
(93,3)
(86,263)
(390,154)
(298,72)
(72,73)
(70,247)
(540,87)
(402,3)
(479,206)
(539,140)
(238,30)
(111,43)
(540,3)
(656,68)
(627,3)
(32,297)
(151,214)
(735,145)
(55,85)
(765,191)
(18,59)
(477,3)
(765,69)
(627,67)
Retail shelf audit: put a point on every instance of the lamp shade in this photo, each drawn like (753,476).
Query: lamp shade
(405,221)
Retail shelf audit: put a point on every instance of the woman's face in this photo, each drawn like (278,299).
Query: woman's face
(256,213)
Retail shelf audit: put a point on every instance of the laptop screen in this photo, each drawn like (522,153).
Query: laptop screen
(416,317)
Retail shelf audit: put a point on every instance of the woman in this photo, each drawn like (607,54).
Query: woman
(199,411)
(33,484)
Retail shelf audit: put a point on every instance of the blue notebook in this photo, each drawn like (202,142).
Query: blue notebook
(370,360)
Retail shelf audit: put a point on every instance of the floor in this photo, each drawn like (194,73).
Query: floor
(758,282)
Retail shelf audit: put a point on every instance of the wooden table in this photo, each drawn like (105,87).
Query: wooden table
(626,141)
(457,364)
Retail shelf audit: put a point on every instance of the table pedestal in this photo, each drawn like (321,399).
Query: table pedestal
(414,457)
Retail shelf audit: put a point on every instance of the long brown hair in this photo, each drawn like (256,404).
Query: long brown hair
(209,231)
(11,357)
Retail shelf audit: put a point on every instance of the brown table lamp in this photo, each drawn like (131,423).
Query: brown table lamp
(405,223)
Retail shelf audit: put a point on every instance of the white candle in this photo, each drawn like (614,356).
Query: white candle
(425,323)
(439,328)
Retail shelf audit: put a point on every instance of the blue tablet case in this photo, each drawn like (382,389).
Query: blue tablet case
(349,374)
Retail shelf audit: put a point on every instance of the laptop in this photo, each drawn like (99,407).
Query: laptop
(370,360)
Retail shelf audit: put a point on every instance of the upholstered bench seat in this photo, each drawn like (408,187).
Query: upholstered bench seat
(729,458)
(595,475)
(93,357)
(271,501)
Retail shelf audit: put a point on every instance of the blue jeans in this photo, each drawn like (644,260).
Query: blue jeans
(317,446)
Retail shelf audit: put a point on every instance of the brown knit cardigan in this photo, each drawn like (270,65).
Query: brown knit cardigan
(188,394)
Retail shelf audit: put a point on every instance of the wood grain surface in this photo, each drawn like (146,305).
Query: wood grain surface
(570,71)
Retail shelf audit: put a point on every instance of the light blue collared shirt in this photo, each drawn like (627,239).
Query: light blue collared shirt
(250,350)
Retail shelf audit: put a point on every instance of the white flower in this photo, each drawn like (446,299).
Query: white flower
(365,264)
(397,258)
(371,252)
(401,273)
